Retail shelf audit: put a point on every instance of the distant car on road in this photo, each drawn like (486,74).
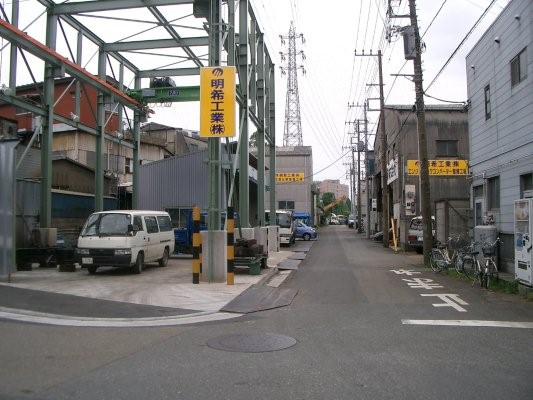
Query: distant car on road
(305,232)
(351,221)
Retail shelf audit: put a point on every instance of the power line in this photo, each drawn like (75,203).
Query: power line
(462,42)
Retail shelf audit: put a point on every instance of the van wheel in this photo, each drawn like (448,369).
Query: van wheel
(164,260)
(92,269)
(139,263)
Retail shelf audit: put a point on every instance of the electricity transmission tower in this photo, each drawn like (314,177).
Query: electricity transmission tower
(292,134)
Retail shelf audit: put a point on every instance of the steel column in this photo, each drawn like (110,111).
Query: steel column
(242,67)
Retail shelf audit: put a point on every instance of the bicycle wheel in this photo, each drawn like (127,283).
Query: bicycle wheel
(491,273)
(458,263)
(484,280)
(436,260)
(469,267)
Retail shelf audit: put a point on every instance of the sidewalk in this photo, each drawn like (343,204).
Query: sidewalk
(117,293)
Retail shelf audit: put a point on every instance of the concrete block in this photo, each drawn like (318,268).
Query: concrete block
(273,238)
(214,247)
(261,235)
(247,234)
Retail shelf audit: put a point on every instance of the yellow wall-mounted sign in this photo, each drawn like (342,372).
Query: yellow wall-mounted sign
(217,101)
(283,177)
(440,167)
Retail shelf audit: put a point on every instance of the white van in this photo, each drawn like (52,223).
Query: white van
(125,238)
(415,233)
(287,225)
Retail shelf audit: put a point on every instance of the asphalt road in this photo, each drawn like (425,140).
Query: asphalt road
(366,324)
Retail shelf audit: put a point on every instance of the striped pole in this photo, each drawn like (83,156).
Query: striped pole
(196,245)
(231,246)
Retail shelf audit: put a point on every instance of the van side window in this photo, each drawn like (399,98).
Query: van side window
(151,224)
(165,224)
(137,221)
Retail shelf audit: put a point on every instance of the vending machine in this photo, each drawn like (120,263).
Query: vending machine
(523,255)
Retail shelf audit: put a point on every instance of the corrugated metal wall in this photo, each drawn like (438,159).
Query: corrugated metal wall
(7,165)
(176,182)
(27,205)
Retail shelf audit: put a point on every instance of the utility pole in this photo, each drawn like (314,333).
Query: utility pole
(384,175)
(359,219)
(415,55)
(367,174)
(422,140)
(383,145)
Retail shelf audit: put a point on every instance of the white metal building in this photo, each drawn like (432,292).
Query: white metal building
(500,90)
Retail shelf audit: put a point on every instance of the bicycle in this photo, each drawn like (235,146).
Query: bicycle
(440,258)
(489,271)
(468,263)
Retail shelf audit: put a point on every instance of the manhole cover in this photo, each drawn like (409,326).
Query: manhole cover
(251,342)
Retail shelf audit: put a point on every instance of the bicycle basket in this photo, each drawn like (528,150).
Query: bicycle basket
(458,243)
(488,250)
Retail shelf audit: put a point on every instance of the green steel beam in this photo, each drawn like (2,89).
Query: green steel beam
(109,5)
(244,75)
(48,128)
(165,94)
(260,129)
(156,44)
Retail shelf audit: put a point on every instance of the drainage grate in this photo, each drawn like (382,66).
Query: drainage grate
(251,342)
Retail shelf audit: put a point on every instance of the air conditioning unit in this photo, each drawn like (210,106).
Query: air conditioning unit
(528,194)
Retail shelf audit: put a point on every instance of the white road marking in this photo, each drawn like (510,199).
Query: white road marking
(407,272)
(422,283)
(449,299)
(62,320)
(468,323)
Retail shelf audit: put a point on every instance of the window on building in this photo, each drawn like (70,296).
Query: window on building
(493,193)
(286,205)
(128,167)
(447,148)
(518,68)
(478,192)
(526,185)
(487,102)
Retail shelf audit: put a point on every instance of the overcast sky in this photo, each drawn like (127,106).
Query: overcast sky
(337,83)
(335,77)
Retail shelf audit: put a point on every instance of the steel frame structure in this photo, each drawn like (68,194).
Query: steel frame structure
(97,24)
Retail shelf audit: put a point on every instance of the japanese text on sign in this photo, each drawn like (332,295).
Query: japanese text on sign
(289,177)
(217,101)
(440,167)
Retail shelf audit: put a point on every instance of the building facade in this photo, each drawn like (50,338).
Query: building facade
(294,180)
(334,186)
(500,91)
(447,146)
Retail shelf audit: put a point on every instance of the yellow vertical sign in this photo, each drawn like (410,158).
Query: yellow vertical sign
(217,101)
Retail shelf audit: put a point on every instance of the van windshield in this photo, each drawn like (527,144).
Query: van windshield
(107,225)
(283,220)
